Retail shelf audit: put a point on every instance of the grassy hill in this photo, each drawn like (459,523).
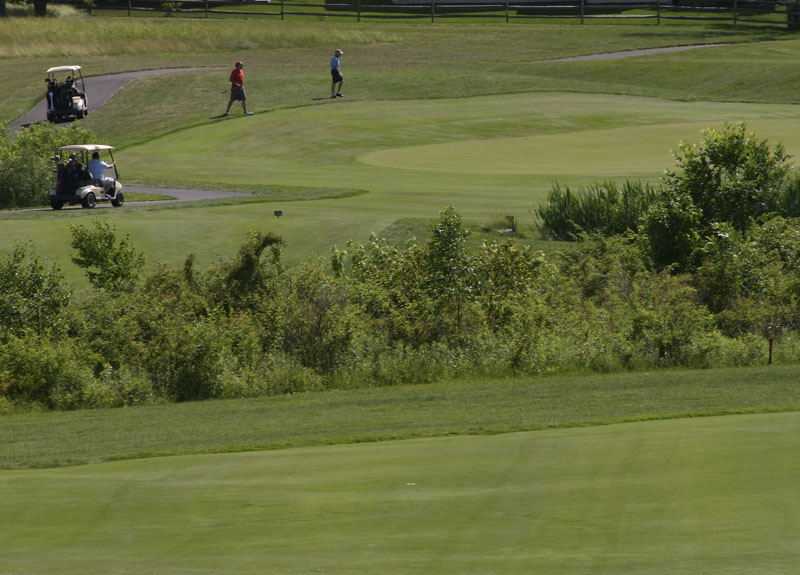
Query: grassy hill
(682,494)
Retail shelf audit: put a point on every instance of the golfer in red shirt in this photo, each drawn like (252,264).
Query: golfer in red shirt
(237,89)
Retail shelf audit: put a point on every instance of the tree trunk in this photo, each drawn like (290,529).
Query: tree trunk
(39,7)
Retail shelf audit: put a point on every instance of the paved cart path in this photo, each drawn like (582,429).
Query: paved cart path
(98,90)
(634,53)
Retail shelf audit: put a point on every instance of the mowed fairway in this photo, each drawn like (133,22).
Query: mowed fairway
(488,156)
(708,495)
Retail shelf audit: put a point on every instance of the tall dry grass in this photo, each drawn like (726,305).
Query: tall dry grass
(44,37)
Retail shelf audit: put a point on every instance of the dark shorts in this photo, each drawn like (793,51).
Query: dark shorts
(237,93)
(337,77)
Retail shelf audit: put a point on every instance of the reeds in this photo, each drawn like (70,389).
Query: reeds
(601,207)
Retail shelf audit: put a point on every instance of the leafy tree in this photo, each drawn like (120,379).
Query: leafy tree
(670,230)
(446,267)
(730,175)
(31,297)
(109,264)
(731,267)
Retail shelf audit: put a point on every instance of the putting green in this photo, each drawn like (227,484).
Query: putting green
(601,152)
(483,145)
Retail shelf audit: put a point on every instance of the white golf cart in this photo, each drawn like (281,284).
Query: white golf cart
(66,93)
(74,183)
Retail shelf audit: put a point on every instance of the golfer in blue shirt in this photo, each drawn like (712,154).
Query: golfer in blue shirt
(336,75)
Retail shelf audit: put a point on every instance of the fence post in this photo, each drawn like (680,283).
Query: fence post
(658,12)
(129,7)
(735,6)
(281,9)
(206,3)
(582,11)
(793,15)
(359,11)
(507,11)
(433,10)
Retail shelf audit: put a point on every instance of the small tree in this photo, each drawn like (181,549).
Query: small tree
(109,264)
(730,175)
(446,266)
(31,297)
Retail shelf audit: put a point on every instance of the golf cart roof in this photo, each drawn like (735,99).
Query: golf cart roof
(59,69)
(86,147)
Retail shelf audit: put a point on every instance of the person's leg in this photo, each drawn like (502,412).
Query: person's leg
(339,87)
(228,109)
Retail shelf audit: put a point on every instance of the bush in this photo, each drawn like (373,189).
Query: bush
(35,370)
(31,297)
(670,232)
(600,208)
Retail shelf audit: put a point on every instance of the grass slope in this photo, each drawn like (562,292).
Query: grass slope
(457,407)
(682,496)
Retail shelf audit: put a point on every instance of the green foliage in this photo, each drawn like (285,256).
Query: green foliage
(171,8)
(31,297)
(670,229)
(38,371)
(730,175)
(245,276)
(388,315)
(790,197)
(731,267)
(600,208)
(26,168)
(110,264)
(319,321)
(668,318)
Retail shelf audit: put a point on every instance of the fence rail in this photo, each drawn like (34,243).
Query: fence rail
(764,12)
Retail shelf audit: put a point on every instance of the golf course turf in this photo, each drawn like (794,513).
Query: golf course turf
(419,130)
(680,496)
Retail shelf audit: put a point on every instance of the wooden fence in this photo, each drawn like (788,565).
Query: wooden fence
(763,12)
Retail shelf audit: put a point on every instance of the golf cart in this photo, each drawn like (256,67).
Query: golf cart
(74,183)
(66,93)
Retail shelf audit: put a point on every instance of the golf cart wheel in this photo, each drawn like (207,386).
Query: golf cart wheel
(118,200)
(89,201)
(56,204)
(51,117)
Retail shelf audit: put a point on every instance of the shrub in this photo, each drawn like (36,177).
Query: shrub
(36,370)
(31,297)
(601,208)
(669,230)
